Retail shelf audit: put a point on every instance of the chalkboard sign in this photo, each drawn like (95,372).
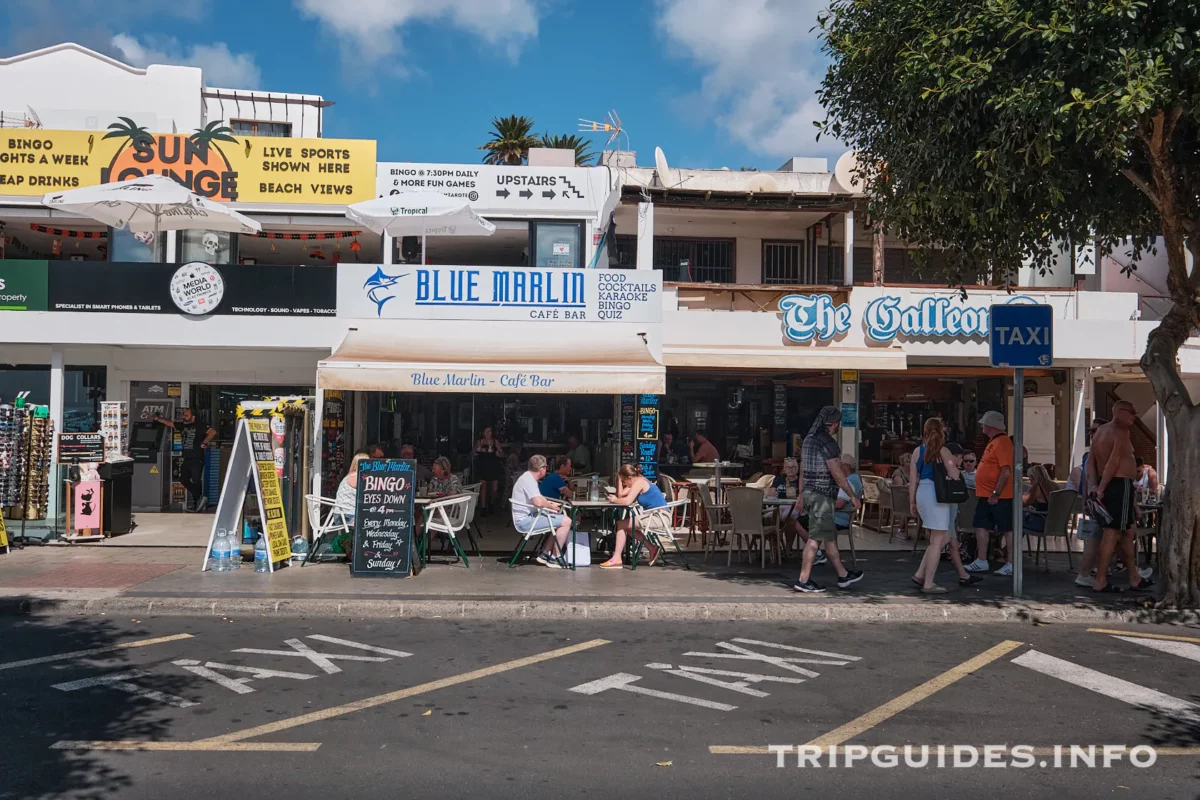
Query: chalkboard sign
(383,519)
(647,435)
(779,420)
(628,413)
(80,448)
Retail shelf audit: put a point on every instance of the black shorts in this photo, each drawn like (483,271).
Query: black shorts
(994,518)
(1118,500)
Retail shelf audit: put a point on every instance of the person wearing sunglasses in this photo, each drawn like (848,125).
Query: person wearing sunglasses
(968,463)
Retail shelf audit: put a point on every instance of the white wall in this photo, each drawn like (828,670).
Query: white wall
(263,107)
(73,88)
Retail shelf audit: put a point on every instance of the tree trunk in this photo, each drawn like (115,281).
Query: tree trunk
(877,256)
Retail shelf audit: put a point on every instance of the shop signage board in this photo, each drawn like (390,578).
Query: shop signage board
(819,317)
(194,289)
(647,435)
(383,519)
(399,291)
(501,190)
(252,459)
(80,448)
(213,163)
(23,285)
(628,414)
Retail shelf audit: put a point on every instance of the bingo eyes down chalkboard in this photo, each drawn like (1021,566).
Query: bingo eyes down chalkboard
(383,519)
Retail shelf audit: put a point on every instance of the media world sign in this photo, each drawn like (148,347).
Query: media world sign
(809,317)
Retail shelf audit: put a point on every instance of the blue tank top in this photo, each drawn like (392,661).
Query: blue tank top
(652,497)
(925,470)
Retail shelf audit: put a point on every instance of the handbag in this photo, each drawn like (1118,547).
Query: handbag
(946,489)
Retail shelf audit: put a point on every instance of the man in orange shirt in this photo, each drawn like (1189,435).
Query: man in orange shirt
(994,488)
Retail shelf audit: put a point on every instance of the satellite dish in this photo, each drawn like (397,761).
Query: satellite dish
(762,183)
(660,163)
(843,173)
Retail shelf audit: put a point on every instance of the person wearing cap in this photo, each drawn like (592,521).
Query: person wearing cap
(994,488)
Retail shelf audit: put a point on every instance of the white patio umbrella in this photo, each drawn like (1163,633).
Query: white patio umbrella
(419,214)
(153,203)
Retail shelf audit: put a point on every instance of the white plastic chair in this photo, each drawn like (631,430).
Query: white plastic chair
(542,527)
(449,517)
(473,528)
(330,523)
(652,526)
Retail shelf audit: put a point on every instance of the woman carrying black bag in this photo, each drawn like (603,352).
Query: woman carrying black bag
(932,466)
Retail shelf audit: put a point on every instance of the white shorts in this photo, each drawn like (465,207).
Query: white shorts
(934,515)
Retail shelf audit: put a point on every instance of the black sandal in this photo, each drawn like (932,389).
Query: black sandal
(1144,586)
(1108,589)
(970,580)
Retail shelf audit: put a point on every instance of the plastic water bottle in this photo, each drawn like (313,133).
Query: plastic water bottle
(260,556)
(220,552)
(594,488)
(299,550)
(235,550)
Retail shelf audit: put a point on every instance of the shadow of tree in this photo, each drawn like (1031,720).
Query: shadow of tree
(34,715)
(1176,730)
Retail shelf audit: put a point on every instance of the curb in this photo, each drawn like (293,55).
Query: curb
(667,610)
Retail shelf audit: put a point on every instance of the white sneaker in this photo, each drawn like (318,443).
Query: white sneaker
(202,504)
(1086,583)
(978,565)
(1005,570)
(1146,572)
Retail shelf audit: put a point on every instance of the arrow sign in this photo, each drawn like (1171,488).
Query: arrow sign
(503,193)
(526,193)
(549,194)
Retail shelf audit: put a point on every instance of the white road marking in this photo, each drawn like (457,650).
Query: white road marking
(359,646)
(789,648)
(95,651)
(120,680)
(1107,685)
(733,686)
(238,685)
(783,662)
(1182,649)
(623,681)
(322,660)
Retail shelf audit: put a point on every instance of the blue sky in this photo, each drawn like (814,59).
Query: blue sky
(713,82)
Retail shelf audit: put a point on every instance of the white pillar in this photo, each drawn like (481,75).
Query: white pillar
(848,257)
(387,249)
(318,443)
(1163,444)
(645,236)
(1080,392)
(56,416)
(848,403)
(170,237)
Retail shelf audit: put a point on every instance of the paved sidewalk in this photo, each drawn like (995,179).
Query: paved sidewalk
(58,580)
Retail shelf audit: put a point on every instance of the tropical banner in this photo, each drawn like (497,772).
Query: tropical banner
(211,161)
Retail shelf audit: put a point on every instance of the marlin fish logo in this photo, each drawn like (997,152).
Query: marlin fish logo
(380,282)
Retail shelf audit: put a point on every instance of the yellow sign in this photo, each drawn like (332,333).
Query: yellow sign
(154,469)
(212,162)
(269,493)
(3,535)
(849,374)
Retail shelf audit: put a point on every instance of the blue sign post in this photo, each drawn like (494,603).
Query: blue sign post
(1020,335)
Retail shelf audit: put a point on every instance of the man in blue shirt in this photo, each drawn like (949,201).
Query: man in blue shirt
(553,485)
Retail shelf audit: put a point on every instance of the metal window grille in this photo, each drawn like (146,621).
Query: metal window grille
(784,262)
(695,260)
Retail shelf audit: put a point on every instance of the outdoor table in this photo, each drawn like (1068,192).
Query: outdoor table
(606,508)
(717,467)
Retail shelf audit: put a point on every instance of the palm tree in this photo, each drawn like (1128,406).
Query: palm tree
(215,131)
(582,147)
(510,141)
(128,129)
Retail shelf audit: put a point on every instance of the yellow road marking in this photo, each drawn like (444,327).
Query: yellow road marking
(913,696)
(1146,635)
(733,750)
(275,747)
(94,651)
(412,691)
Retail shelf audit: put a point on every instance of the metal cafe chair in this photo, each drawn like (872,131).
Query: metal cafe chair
(1059,513)
(542,528)
(449,517)
(655,524)
(325,524)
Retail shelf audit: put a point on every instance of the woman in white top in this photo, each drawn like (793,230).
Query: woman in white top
(347,491)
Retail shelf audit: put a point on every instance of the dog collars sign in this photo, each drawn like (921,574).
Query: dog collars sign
(212,161)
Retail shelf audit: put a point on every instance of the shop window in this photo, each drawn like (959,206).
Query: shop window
(83,389)
(249,127)
(622,252)
(147,246)
(784,262)
(557,245)
(211,247)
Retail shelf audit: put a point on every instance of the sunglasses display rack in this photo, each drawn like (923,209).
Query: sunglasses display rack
(114,425)
(12,449)
(26,437)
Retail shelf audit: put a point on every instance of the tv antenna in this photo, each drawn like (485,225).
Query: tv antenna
(610,125)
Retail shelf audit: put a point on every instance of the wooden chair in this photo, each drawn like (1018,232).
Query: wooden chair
(745,511)
(717,527)
(1058,515)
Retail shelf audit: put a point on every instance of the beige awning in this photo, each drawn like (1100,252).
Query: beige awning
(784,358)
(500,357)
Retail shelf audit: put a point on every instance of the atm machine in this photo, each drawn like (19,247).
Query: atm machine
(150,449)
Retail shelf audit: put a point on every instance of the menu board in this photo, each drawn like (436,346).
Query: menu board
(647,435)
(80,448)
(383,519)
(780,416)
(628,413)
(270,496)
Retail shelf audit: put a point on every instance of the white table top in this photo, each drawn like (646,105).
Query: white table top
(779,501)
(715,464)
(596,504)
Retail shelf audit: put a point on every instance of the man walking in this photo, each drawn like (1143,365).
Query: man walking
(193,456)
(1112,469)
(994,490)
(822,473)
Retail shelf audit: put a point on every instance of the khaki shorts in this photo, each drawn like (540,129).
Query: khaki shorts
(820,517)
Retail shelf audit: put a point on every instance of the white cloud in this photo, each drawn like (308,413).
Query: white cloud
(761,64)
(372,30)
(221,67)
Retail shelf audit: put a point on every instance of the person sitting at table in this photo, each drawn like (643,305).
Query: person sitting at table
(666,450)
(346,499)
(900,473)
(1147,478)
(421,472)
(702,450)
(526,501)
(443,481)
(578,453)
(842,516)
(557,484)
(788,485)
(1037,500)
(633,487)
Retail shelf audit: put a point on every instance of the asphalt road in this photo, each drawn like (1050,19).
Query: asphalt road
(532,710)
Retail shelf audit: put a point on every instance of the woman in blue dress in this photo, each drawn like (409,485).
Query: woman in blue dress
(633,487)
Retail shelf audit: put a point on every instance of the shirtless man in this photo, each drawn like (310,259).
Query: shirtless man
(1112,468)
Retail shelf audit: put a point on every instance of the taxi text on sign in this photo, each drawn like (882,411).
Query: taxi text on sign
(223,167)
(1021,335)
